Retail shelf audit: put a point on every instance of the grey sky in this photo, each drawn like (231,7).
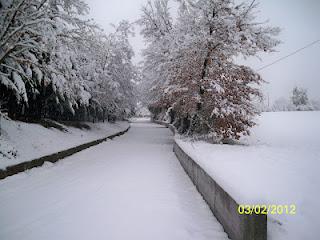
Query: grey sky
(298,19)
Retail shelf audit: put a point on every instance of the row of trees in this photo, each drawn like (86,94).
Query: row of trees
(298,101)
(190,73)
(55,64)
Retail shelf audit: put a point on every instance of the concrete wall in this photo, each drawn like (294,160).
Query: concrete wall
(222,205)
(11,170)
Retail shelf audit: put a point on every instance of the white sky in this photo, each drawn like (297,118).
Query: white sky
(298,19)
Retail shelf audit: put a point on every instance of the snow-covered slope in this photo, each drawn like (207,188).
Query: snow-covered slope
(21,141)
(278,164)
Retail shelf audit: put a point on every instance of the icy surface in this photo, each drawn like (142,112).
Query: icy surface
(279,164)
(20,142)
(132,187)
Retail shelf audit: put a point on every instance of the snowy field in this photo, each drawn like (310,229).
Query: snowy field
(278,164)
(20,142)
(132,187)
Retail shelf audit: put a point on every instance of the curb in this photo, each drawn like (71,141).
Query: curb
(21,167)
(222,205)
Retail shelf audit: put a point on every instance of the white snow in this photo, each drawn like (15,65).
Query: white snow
(140,119)
(132,187)
(20,85)
(29,141)
(278,164)
(9,84)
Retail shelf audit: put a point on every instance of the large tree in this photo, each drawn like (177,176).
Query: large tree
(199,80)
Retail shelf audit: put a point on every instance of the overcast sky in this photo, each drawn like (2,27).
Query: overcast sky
(298,19)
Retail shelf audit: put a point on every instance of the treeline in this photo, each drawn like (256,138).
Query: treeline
(298,101)
(54,64)
(191,77)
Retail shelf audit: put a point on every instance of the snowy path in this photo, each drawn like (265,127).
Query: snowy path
(130,188)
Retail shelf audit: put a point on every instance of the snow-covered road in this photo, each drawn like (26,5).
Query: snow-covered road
(130,188)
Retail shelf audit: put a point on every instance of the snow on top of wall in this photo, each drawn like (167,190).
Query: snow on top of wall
(278,164)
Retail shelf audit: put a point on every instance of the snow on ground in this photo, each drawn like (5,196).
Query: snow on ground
(140,119)
(279,164)
(22,142)
(132,187)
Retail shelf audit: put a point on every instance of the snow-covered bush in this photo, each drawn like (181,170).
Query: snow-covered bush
(282,104)
(315,104)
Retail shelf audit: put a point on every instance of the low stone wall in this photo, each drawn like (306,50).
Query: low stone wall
(222,205)
(11,170)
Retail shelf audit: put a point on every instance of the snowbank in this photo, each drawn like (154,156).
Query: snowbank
(20,142)
(278,164)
